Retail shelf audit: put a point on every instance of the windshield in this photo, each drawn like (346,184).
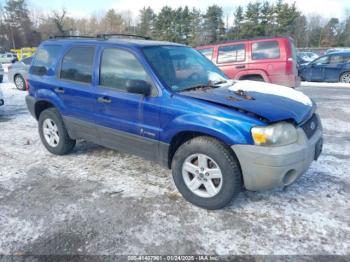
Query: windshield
(182,68)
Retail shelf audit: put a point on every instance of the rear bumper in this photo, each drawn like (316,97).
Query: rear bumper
(268,167)
(286,80)
(30,101)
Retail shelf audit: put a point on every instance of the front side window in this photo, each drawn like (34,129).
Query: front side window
(231,53)
(181,68)
(265,50)
(44,58)
(77,64)
(118,66)
(208,52)
(322,60)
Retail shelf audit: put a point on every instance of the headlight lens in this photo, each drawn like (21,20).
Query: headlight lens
(275,135)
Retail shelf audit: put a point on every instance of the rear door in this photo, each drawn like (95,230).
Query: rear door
(231,59)
(334,67)
(76,90)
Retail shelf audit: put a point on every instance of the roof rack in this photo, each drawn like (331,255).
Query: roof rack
(106,36)
(70,36)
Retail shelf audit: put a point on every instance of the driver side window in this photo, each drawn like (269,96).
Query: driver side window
(118,66)
(321,61)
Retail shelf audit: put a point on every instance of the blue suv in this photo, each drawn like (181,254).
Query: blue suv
(333,67)
(167,103)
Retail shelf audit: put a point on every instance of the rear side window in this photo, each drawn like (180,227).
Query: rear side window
(118,66)
(27,60)
(208,52)
(77,64)
(265,50)
(44,58)
(338,59)
(231,53)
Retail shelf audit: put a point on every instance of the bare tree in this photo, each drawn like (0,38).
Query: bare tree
(58,18)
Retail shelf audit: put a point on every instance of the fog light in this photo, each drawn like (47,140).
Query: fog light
(290,177)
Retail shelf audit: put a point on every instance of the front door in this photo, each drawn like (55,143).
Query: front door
(121,115)
(317,68)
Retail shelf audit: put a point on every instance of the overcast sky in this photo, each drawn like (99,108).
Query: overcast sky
(81,8)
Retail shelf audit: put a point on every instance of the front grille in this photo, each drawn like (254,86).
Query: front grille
(310,126)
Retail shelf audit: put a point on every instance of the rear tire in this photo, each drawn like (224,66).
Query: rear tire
(344,77)
(53,132)
(20,83)
(214,186)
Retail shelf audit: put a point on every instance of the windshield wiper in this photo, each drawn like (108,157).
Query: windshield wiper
(203,87)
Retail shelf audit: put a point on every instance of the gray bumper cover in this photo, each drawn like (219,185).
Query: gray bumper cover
(268,167)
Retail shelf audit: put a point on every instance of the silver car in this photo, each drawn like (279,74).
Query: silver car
(1,73)
(17,73)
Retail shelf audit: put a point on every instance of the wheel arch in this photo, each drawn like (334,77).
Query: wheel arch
(40,106)
(184,136)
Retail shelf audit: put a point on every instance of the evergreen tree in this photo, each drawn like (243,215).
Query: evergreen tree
(113,22)
(237,22)
(18,26)
(213,24)
(147,22)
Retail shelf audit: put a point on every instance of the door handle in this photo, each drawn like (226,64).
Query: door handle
(104,99)
(59,90)
(240,66)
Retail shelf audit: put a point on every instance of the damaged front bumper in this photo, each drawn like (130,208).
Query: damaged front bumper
(268,167)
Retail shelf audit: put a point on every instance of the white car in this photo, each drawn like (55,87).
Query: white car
(2,101)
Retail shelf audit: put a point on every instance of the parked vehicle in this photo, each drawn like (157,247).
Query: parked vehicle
(271,60)
(1,73)
(335,50)
(8,58)
(334,67)
(169,104)
(308,56)
(2,100)
(18,72)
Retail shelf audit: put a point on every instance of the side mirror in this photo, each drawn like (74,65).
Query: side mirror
(138,87)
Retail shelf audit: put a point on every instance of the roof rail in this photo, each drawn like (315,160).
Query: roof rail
(106,36)
(71,36)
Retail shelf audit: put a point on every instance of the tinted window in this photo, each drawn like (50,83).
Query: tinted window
(265,50)
(338,59)
(27,60)
(231,53)
(118,66)
(322,60)
(77,64)
(208,52)
(44,57)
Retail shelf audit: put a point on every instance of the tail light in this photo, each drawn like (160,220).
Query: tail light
(27,84)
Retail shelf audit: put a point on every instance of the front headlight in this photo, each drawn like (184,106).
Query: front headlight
(275,135)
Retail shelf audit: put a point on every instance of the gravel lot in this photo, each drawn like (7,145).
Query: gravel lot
(99,201)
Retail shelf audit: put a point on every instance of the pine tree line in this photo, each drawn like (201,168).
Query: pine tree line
(21,27)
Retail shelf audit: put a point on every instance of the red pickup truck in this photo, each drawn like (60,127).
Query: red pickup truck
(271,60)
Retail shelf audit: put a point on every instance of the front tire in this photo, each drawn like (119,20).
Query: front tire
(53,133)
(206,173)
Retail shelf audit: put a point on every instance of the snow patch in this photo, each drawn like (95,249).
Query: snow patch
(271,89)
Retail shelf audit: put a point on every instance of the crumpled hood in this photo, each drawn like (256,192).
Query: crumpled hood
(272,102)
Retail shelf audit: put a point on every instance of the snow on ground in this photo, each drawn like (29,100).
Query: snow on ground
(100,201)
(324,84)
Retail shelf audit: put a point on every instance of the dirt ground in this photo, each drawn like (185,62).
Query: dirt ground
(99,201)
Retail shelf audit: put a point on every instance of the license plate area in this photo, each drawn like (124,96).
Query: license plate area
(318,148)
